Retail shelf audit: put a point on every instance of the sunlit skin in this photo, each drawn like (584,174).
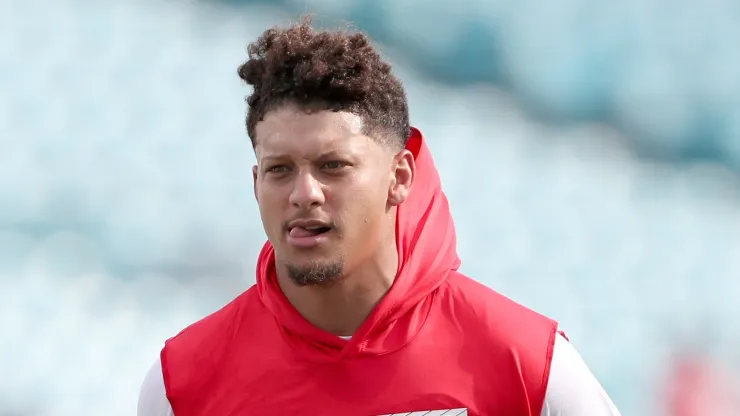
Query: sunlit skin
(321,166)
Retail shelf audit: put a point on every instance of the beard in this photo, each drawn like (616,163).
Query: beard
(321,274)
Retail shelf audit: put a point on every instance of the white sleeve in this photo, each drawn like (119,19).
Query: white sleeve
(153,397)
(573,390)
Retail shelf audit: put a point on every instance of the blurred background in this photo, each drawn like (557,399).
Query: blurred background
(590,151)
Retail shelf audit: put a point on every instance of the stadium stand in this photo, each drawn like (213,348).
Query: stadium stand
(126,207)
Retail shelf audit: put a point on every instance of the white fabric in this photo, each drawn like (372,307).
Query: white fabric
(153,398)
(572,391)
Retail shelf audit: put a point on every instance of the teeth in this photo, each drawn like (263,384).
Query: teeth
(314,228)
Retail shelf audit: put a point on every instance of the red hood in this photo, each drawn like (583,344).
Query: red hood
(427,252)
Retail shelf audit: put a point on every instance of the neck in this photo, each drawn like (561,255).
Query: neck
(343,307)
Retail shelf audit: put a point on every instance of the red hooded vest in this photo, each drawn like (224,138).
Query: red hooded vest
(437,340)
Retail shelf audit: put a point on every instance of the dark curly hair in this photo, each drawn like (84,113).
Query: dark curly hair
(325,70)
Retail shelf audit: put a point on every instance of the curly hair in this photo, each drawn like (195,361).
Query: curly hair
(325,70)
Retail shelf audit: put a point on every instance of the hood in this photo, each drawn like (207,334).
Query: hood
(427,252)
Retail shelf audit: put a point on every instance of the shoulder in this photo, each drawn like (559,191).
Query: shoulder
(189,357)
(152,396)
(572,389)
(222,321)
(518,342)
(477,294)
(484,306)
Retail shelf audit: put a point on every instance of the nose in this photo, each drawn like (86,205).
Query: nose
(307,192)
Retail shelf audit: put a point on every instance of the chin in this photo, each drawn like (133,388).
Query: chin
(316,272)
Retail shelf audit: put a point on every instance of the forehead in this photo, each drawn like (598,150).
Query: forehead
(290,131)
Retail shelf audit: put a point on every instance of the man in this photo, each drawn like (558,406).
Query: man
(358,308)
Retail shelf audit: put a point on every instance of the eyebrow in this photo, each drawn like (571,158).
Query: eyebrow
(325,155)
(271,158)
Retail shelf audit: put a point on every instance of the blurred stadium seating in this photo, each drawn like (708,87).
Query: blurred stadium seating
(567,137)
(666,72)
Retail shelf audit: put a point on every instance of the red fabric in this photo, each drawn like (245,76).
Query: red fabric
(437,340)
(697,387)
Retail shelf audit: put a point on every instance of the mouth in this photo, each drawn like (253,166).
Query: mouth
(308,236)
(309,231)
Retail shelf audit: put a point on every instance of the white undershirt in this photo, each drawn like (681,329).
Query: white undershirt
(572,390)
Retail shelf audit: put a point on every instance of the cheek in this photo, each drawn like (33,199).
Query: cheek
(363,212)
(270,209)
(270,196)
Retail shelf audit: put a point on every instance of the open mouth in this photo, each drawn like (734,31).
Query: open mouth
(300,232)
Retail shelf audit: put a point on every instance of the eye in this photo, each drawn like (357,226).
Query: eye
(334,165)
(277,169)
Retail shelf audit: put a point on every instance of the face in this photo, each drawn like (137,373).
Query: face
(326,192)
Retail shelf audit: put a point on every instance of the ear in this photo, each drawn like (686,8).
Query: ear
(404,169)
(254,175)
